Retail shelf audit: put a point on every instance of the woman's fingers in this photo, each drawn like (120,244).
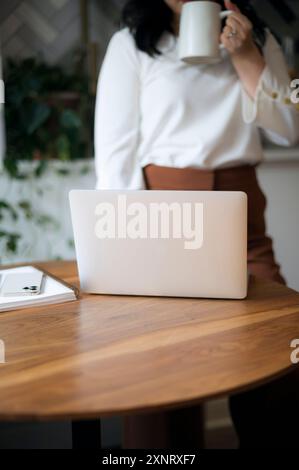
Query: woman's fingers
(236,28)
(237,15)
(231,35)
(234,25)
(236,35)
(230,43)
(241,19)
(229,32)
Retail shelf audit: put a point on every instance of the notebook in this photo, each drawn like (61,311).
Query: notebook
(53,291)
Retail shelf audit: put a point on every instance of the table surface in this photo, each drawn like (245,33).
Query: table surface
(109,355)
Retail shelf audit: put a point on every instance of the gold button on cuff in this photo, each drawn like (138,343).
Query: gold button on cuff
(274,95)
(287,101)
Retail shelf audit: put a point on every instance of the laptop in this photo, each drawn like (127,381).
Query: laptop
(161,243)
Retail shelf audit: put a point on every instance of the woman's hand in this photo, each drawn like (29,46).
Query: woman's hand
(247,59)
(237,34)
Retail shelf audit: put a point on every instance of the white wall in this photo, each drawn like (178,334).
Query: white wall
(280,181)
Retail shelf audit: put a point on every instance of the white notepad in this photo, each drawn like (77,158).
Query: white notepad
(52,292)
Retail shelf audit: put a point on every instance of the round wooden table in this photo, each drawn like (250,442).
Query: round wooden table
(104,355)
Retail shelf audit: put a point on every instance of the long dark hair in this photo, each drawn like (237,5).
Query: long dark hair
(149,19)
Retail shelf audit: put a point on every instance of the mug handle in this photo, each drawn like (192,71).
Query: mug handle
(224,14)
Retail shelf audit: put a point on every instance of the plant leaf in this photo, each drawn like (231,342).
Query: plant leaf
(40,112)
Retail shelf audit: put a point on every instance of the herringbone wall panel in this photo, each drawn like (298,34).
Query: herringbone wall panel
(51,28)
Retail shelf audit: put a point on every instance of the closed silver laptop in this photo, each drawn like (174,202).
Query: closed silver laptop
(161,243)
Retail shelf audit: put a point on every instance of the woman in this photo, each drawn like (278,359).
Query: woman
(164,124)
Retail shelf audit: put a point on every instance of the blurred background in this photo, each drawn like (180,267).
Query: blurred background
(51,53)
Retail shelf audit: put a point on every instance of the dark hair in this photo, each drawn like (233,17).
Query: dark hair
(149,19)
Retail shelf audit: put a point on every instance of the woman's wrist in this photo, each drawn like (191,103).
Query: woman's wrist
(250,53)
(249,65)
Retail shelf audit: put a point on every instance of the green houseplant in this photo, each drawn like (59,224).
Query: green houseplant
(48,116)
(46,112)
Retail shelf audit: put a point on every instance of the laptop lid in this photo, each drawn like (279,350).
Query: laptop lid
(161,243)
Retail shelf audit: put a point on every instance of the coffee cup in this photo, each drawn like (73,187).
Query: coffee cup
(200,29)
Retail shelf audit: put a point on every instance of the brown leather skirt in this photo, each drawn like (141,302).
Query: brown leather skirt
(261,259)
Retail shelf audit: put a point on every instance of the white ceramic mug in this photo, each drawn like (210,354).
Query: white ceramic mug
(200,29)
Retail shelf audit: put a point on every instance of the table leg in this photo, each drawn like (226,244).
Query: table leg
(86,434)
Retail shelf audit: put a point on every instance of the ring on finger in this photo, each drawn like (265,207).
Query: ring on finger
(232,33)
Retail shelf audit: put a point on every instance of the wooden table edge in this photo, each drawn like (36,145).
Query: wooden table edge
(101,414)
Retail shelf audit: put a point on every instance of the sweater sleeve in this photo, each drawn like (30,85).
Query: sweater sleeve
(117,117)
(272,109)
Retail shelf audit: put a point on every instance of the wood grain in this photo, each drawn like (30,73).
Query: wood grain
(105,355)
